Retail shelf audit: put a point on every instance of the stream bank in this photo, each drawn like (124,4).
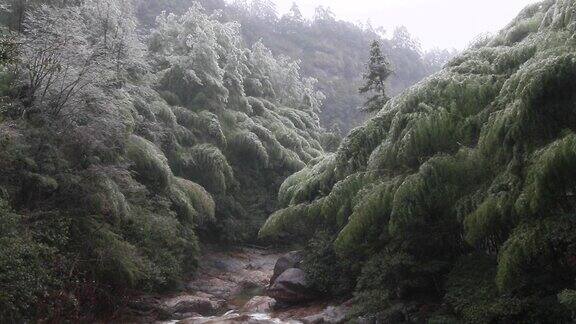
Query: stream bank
(230,287)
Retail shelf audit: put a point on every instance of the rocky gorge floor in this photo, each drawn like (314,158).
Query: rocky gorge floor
(245,285)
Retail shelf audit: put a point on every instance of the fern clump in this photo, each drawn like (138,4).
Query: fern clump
(550,176)
(369,219)
(206,165)
(318,176)
(165,114)
(107,199)
(248,146)
(149,162)
(194,203)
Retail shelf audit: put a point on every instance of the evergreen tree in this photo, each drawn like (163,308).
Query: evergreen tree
(295,13)
(378,71)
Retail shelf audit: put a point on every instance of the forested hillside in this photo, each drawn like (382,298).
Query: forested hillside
(332,51)
(145,143)
(335,52)
(456,202)
(117,154)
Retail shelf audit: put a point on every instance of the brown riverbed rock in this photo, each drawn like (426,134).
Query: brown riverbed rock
(259,304)
(225,274)
(184,305)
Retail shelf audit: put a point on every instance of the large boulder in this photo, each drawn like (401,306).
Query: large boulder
(285,262)
(291,287)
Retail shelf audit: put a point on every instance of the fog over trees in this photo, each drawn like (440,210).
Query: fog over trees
(331,50)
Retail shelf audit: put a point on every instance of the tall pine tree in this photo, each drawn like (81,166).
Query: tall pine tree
(377,72)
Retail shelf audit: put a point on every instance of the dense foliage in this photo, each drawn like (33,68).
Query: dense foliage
(332,51)
(117,155)
(335,52)
(457,199)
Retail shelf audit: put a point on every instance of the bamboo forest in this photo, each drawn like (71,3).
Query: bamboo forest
(274,162)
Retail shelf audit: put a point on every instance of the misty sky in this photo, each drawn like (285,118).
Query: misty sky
(436,23)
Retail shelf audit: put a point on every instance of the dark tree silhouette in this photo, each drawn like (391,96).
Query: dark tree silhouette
(378,70)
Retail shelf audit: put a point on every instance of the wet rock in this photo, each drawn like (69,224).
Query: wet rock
(227,274)
(228,265)
(180,306)
(291,287)
(285,262)
(221,288)
(259,304)
(331,315)
(181,316)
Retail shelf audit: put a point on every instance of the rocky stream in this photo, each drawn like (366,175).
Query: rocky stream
(244,285)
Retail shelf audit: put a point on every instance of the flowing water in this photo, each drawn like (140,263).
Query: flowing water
(236,317)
